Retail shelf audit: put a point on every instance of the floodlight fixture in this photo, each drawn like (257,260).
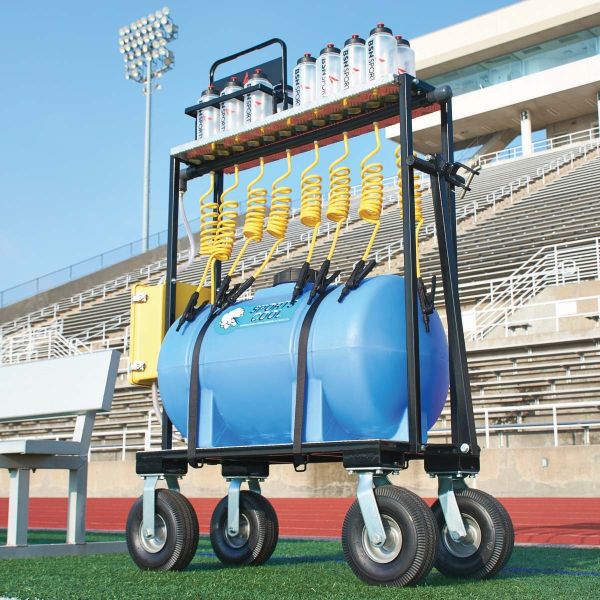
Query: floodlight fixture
(143,45)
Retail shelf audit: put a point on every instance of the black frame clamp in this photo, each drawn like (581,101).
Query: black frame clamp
(426,299)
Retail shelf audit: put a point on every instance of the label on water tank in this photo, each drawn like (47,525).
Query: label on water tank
(259,314)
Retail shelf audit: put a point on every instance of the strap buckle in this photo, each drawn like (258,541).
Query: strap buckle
(300,461)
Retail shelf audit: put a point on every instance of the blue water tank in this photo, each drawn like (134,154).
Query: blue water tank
(357,375)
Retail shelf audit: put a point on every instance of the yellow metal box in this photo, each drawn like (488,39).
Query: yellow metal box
(148,326)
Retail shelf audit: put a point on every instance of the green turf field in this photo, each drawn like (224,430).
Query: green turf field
(298,569)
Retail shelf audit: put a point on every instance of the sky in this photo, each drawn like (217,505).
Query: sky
(72,127)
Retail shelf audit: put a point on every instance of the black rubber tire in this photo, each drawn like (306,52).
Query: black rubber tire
(263,531)
(418,545)
(181,525)
(496,532)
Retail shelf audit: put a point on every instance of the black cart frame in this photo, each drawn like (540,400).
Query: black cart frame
(461,456)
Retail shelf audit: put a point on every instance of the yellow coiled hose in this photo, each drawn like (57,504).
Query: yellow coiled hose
(338,206)
(311,199)
(418,196)
(209,217)
(371,195)
(228,214)
(256,211)
(281,203)
(279,215)
(209,220)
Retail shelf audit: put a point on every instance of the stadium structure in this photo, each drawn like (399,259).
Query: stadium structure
(529,264)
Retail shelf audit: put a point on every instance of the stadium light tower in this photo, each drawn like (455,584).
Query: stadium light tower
(143,45)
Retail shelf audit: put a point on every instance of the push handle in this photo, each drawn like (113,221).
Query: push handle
(272,41)
(439,94)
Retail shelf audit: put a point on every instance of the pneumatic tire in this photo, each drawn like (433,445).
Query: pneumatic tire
(258,533)
(176,533)
(408,553)
(490,537)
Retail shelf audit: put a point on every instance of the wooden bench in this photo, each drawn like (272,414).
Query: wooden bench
(75,386)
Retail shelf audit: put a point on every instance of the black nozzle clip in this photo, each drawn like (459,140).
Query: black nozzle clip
(426,299)
(237,291)
(361,270)
(322,282)
(300,282)
(221,297)
(190,311)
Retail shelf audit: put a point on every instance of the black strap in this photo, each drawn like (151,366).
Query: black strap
(194,396)
(301,376)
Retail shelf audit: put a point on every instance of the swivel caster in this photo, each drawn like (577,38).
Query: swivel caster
(408,551)
(257,535)
(489,539)
(175,540)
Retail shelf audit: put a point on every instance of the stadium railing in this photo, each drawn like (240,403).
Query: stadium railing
(556,312)
(555,425)
(556,264)
(566,139)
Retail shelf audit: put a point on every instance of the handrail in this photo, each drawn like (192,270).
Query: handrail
(529,278)
(552,408)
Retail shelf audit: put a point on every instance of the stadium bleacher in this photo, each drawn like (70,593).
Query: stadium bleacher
(509,201)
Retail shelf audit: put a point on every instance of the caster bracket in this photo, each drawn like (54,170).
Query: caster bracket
(369,508)
(233,500)
(446,486)
(149,500)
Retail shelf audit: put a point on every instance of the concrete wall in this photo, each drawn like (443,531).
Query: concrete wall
(571,471)
(573,125)
(507,29)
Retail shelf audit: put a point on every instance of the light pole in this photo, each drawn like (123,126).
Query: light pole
(143,45)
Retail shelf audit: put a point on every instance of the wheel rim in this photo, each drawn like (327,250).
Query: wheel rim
(392,545)
(241,539)
(468,546)
(154,544)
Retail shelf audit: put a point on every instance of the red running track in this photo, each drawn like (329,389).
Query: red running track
(536,520)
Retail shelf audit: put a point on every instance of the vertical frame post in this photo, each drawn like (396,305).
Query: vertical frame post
(447,146)
(410,265)
(171,291)
(461,407)
(218,191)
(447,135)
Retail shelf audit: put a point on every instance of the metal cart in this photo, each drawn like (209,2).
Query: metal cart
(390,536)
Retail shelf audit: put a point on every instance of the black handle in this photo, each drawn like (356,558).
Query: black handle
(217,63)
(442,93)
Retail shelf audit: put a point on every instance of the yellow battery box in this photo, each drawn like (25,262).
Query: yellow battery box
(148,326)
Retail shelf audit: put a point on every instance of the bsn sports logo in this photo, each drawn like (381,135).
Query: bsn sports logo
(346,67)
(371,59)
(297,86)
(248,102)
